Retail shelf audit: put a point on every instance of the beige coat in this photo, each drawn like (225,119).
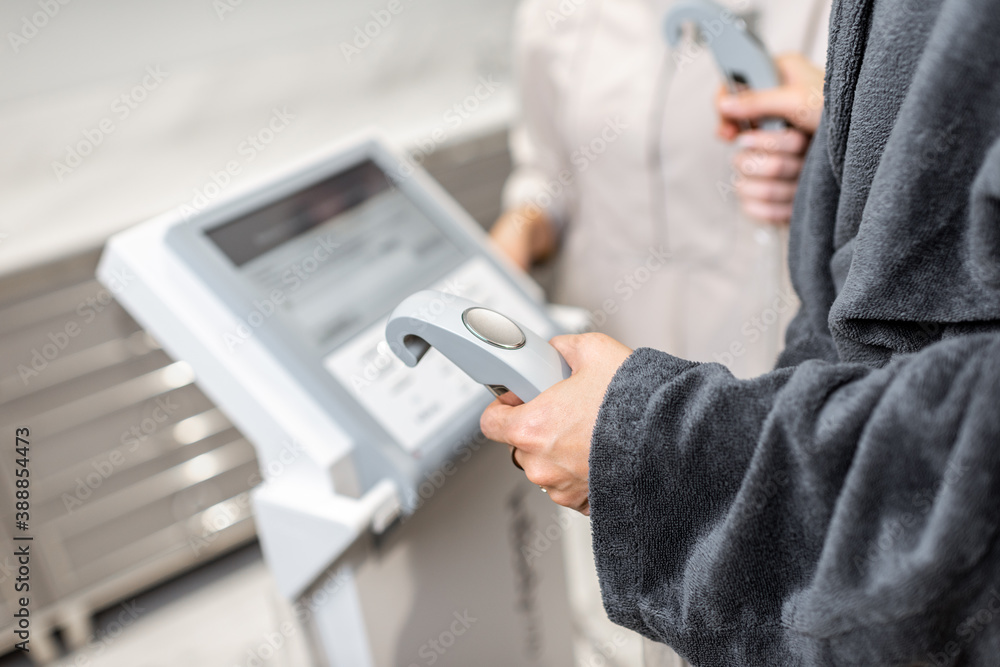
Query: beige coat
(630,127)
(608,108)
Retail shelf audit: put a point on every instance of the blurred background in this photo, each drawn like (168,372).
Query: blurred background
(112,112)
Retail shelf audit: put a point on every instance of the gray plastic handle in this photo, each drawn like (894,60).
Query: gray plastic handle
(444,321)
(742,57)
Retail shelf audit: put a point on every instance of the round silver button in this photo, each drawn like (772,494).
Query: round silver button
(493,328)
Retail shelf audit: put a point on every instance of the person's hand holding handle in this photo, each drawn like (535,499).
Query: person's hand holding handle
(769,162)
(552,433)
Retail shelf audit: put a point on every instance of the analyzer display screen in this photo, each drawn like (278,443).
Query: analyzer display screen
(340,254)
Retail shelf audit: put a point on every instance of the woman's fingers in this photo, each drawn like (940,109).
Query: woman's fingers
(769,190)
(789,141)
(798,100)
(499,421)
(760,164)
(556,481)
(753,105)
(769,166)
(771,213)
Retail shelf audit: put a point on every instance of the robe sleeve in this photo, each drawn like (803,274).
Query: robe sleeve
(827,513)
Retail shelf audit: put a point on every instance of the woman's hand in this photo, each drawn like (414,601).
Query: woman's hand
(552,433)
(524,235)
(798,100)
(769,162)
(768,166)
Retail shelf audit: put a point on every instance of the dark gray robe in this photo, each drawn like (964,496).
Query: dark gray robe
(842,509)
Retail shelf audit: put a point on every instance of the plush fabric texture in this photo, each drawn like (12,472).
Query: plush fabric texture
(842,509)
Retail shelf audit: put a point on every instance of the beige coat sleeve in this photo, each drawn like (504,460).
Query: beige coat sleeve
(543,43)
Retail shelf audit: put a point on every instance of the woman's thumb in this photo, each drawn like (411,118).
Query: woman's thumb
(570,349)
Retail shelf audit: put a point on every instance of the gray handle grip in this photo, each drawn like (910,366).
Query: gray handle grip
(489,347)
(740,56)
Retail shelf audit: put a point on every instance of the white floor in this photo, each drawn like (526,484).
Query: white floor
(227,614)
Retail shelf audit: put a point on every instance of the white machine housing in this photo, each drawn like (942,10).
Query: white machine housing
(277,295)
